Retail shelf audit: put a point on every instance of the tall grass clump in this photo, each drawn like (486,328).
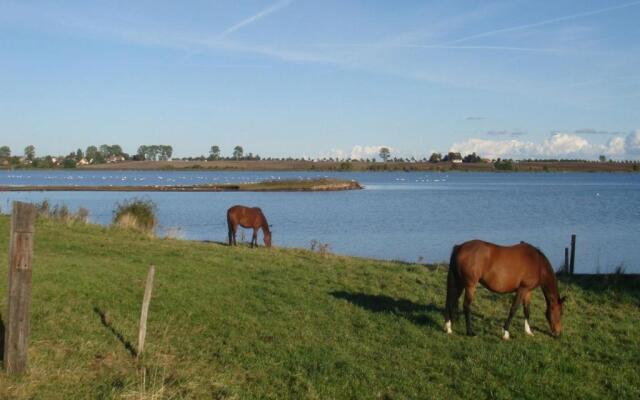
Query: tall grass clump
(321,248)
(136,214)
(61,213)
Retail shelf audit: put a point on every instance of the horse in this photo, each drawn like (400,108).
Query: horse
(248,217)
(520,268)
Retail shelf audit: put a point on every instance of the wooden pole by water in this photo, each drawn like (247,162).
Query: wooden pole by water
(16,336)
(573,254)
(145,309)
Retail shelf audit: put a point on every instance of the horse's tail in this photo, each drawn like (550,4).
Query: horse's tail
(229,222)
(230,227)
(453,293)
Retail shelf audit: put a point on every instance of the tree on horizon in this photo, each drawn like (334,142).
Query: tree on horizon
(93,155)
(385,153)
(238,151)
(435,157)
(214,152)
(5,151)
(30,152)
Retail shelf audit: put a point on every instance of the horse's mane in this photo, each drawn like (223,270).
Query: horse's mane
(547,277)
(265,224)
(540,253)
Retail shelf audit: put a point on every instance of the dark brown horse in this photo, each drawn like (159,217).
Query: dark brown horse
(248,217)
(520,269)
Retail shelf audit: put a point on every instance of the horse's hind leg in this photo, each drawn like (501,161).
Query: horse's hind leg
(526,302)
(451,308)
(514,307)
(469,292)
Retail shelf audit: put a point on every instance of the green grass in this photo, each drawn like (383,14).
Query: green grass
(282,323)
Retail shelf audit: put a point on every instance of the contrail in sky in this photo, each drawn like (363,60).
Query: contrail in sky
(541,23)
(256,17)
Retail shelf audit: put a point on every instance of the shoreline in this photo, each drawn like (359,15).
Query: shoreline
(363,166)
(354,166)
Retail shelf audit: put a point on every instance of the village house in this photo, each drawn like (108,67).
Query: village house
(115,159)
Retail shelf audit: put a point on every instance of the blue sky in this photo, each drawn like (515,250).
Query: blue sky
(309,78)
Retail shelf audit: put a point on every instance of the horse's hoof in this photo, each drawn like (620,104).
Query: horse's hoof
(505,335)
(447,327)
(527,328)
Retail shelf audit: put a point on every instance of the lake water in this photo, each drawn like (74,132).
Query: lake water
(404,216)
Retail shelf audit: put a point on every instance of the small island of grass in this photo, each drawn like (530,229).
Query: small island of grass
(312,185)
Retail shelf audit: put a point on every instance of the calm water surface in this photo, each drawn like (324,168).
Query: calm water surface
(406,216)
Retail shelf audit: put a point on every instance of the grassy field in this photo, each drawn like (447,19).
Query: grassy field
(285,323)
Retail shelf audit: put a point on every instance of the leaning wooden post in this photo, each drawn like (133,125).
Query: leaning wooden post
(566,261)
(573,254)
(16,336)
(145,309)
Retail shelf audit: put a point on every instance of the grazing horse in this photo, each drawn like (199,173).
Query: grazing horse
(519,268)
(248,217)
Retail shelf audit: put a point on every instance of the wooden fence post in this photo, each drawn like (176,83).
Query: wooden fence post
(565,268)
(16,336)
(145,309)
(573,254)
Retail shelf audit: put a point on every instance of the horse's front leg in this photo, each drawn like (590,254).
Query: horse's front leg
(232,235)
(512,311)
(254,238)
(526,302)
(469,292)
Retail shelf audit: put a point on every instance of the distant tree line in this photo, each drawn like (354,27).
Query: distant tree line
(107,153)
(215,154)
(159,152)
(92,155)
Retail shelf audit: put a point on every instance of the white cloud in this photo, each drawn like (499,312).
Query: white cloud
(616,147)
(558,145)
(632,143)
(359,152)
(568,144)
(495,148)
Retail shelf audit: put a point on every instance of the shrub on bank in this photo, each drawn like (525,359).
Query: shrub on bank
(503,165)
(136,214)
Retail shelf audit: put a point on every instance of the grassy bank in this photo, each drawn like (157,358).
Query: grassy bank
(312,185)
(283,323)
(293,165)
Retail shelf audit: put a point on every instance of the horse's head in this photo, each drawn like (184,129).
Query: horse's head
(554,312)
(267,239)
